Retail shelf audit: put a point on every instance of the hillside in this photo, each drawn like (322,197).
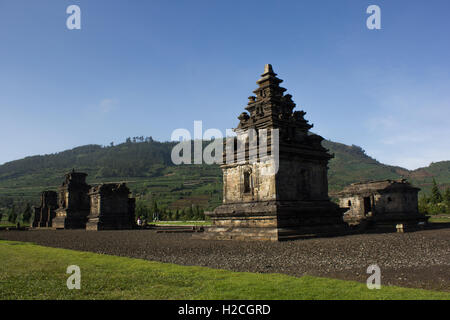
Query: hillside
(146,166)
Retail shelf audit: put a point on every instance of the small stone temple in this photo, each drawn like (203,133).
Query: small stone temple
(44,214)
(284,193)
(381,204)
(74,204)
(111,207)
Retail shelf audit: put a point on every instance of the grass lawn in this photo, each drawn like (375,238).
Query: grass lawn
(6,224)
(182,223)
(28,271)
(440,219)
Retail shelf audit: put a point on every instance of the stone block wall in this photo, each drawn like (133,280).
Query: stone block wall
(111,207)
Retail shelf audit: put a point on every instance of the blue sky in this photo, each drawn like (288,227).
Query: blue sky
(149,67)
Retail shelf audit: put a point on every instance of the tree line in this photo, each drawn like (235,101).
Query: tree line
(155,212)
(17,213)
(435,202)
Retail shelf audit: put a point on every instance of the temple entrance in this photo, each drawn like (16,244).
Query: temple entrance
(367,205)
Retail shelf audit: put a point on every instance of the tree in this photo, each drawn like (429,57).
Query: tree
(447,199)
(12,215)
(26,215)
(423,204)
(182,215)
(190,213)
(198,213)
(436,196)
(447,195)
(155,210)
(142,209)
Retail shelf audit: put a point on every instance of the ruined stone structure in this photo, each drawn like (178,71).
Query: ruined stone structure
(284,193)
(44,214)
(74,202)
(381,204)
(111,207)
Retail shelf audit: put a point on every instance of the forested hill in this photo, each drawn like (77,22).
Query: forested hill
(126,159)
(147,167)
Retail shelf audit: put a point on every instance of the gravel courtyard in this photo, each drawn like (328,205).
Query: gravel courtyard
(418,259)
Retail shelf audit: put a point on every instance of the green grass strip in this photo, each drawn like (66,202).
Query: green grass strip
(29,271)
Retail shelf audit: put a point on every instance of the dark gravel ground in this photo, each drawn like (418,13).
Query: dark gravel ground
(418,259)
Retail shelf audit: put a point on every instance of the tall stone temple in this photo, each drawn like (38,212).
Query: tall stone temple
(282,193)
(74,202)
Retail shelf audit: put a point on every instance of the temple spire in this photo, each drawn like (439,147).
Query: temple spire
(271,108)
(268,68)
(269,75)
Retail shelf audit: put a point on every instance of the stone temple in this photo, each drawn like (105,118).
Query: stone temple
(282,193)
(74,203)
(44,214)
(111,207)
(384,205)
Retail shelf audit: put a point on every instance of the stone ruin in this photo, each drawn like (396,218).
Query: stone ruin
(382,205)
(44,214)
(74,204)
(103,207)
(111,207)
(288,203)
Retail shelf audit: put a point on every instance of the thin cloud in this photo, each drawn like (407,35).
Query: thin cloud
(108,105)
(409,126)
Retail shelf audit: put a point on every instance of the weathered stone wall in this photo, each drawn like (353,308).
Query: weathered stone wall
(294,181)
(261,183)
(356,210)
(396,202)
(78,198)
(300,180)
(111,208)
(115,204)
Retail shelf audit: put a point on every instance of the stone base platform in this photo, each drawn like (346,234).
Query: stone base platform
(41,225)
(109,223)
(401,222)
(70,220)
(275,221)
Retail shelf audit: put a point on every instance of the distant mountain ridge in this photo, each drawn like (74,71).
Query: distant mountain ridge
(146,165)
(352,164)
